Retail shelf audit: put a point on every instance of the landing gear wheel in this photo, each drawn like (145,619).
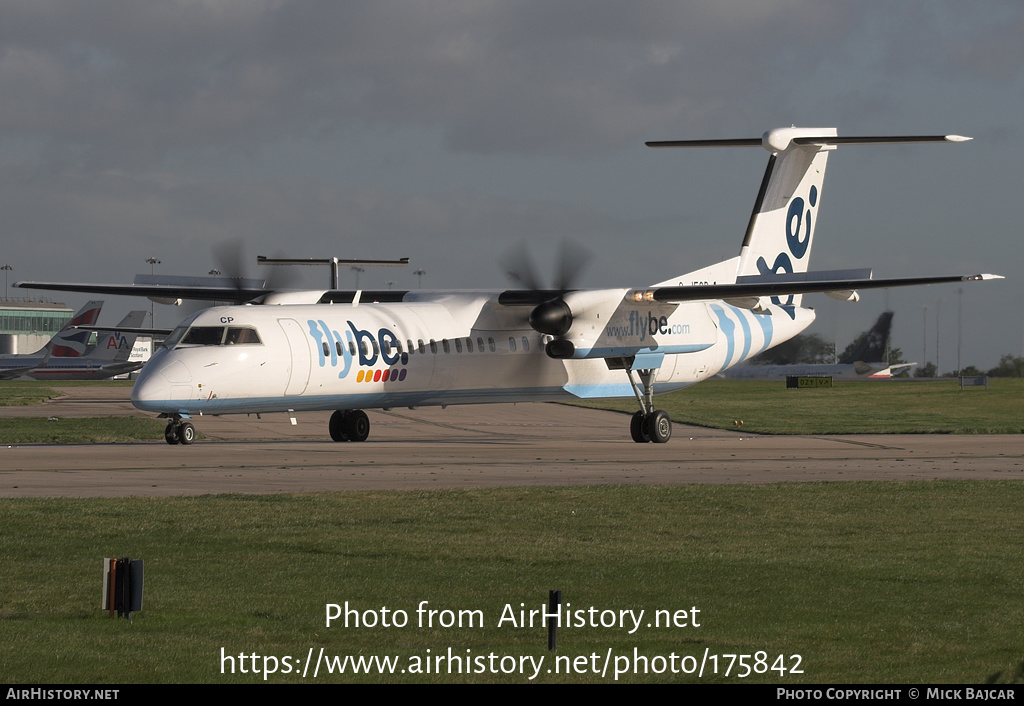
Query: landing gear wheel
(337,425)
(186,433)
(638,428)
(171,433)
(658,426)
(356,425)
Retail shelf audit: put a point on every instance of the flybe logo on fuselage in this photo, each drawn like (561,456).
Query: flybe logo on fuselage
(639,325)
(798,240)
(362,347)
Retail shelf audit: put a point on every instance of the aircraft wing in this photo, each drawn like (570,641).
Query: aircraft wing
(13,373)
(223,293)
(157,332)
(782,285)
(121,368)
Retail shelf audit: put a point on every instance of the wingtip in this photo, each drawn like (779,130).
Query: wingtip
(968,278)
(958,138)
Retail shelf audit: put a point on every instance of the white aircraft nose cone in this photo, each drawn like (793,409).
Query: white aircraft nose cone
(158,382)
(150,390)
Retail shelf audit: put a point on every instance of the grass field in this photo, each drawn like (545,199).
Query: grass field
(86,430)
(866,582)
(848,408)
(69,430)
(22,392)
(14,394)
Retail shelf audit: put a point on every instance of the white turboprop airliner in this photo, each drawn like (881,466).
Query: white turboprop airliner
(350,351)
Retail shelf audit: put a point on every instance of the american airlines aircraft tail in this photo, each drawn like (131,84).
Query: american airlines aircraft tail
(116,345)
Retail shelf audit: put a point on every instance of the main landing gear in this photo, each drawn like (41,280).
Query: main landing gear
(349,425)
(648,424)
(179,432)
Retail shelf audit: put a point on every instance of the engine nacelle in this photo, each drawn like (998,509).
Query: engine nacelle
(553,317)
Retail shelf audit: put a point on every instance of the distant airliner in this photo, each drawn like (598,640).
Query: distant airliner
(865,362)
(65,356)
(349,351)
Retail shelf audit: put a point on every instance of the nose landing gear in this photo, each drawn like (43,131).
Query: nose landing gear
(179,432)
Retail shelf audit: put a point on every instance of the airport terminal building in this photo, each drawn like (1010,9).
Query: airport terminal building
(26,325)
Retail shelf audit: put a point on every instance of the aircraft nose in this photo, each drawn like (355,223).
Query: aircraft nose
(152,391)
(149,390)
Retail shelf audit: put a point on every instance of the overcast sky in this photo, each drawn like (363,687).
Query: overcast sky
(447,131)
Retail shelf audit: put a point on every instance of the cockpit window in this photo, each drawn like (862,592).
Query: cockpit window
(237,336)
(203,336)
(175,336)
(215,336)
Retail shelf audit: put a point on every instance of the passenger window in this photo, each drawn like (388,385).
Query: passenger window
(512,344)
(327,348)
(526,343)
(433,346)
(352,348)
(337,347)
(490,344)
(458,345)
(447,348)
(469,344)
(421,347)
(480,344)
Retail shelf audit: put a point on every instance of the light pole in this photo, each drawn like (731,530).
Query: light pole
(153,262)
(6,269)
(924,335)
(959,329)
(419,274)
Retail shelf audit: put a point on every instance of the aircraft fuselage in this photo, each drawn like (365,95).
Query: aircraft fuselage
(440,349)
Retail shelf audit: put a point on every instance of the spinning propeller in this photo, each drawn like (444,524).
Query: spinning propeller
(229,257)
(551,314)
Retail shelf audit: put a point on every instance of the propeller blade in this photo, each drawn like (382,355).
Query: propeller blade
(572,260)
(229,256)
(519,268)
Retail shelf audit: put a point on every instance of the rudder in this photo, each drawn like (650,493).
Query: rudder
(781,229)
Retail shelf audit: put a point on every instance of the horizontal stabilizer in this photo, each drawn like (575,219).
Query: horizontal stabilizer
(785,287)
(818,276)
(780,139)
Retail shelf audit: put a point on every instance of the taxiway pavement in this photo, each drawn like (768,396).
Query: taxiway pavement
(460,447)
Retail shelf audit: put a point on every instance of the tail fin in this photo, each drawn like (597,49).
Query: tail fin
(70,342)
(870,346)
(781,228)
(117,345)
